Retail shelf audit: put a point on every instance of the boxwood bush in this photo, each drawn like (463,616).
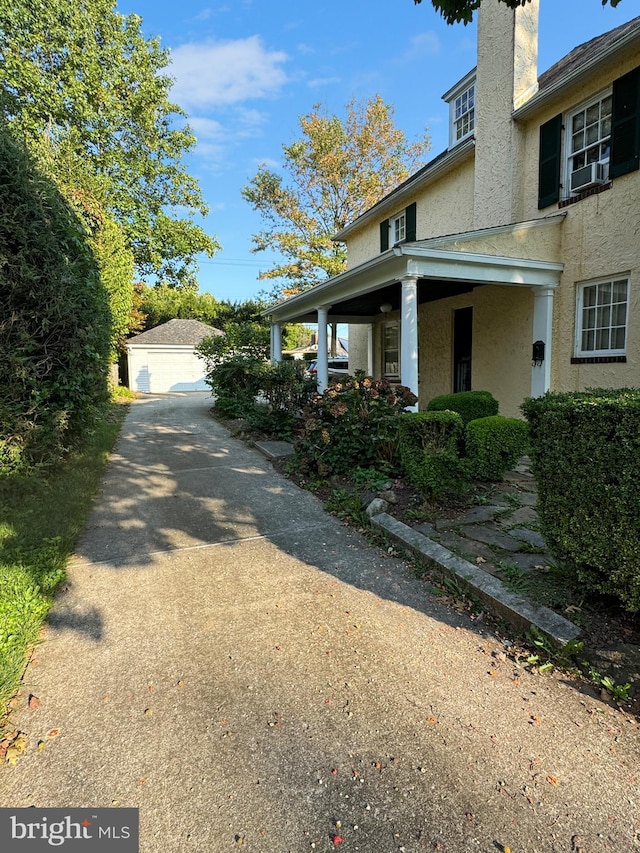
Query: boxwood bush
(470,405)
(585,451)
(429,443)
(493,446)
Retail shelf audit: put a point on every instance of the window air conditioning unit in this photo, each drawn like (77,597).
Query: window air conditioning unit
(591,175)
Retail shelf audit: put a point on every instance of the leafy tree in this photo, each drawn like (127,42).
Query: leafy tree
(162,303)
(89,94)
(336,171)
(454,11)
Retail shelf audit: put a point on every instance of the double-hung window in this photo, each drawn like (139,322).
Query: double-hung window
(464,113)
(398,226)
(602,316)
(589,143)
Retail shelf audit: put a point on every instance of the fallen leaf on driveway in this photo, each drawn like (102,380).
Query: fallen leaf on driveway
(33,702)
(552,780)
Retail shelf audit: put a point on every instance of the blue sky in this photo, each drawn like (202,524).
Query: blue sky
(246,69)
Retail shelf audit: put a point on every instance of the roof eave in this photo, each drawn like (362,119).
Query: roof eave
(547,94)
(440,164)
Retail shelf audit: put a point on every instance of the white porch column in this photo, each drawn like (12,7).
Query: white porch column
(370,349)
(409,334)
(276,342)
(323,360)
(542,331)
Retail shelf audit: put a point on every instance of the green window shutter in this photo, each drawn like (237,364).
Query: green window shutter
(625,128)
(384,235)
(549,164)
(410,223)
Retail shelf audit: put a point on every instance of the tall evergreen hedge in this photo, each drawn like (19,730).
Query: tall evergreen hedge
(585,451)
(54,316)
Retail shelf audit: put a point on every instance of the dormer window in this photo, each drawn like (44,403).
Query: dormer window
(464,114)
(462,109)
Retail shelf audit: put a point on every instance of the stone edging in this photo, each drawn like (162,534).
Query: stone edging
(517,610)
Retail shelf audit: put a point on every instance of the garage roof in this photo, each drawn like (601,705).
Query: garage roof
(179,332)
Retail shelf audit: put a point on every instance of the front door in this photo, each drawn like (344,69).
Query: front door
(462,345)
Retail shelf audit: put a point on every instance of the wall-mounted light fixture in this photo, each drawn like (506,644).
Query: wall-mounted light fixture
(386,307)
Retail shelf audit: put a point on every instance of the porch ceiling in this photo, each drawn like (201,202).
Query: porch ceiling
(356,295)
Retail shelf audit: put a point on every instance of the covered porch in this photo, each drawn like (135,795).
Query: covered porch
(400,281)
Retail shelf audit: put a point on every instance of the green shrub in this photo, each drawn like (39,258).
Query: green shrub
(236,381)
(429,443)
(54,318)
(352,423)
(470,405)
(585,451)
(493,445)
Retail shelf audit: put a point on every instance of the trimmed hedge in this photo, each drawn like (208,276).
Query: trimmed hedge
(493,446)
(428,444)
(470,405)
(585,451)
(55,321)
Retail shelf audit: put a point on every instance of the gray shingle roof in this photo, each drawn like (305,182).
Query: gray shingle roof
(585,52)
(181,332)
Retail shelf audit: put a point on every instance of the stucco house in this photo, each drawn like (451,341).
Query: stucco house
(511,261)
(164,359)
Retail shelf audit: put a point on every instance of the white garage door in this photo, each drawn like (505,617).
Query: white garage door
(159,371)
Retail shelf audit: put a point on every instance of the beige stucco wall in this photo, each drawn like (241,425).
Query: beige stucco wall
(358,347)
(600,238)
(445,206)
(501,355)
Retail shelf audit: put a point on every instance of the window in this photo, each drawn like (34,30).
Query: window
(464,114)
(462,108)
(601,143)
(601,324)
(398,228)
(391,350)
(589,139)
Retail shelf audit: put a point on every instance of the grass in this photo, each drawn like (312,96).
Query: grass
(41,517)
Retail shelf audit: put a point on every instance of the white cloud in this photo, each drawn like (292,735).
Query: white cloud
(206,128)
(319,82)
(423,44)
(222,73)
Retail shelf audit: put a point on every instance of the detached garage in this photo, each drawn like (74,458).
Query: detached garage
(164,359)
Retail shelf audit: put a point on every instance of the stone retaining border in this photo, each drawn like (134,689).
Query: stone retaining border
(501,601)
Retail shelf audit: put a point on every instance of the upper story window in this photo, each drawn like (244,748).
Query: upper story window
(400,228)
(589,144)
(601,321)
(398,225)
(464,114)
(462,109)
(600,143)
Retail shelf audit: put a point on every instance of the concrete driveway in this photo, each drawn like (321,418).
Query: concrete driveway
(251,673)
